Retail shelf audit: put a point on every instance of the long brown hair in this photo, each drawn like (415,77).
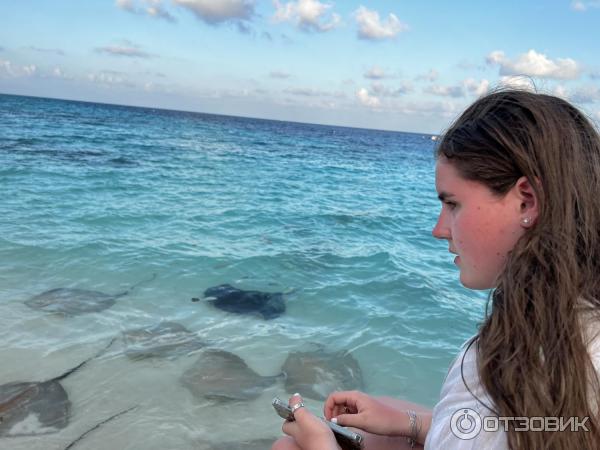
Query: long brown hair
(533,346)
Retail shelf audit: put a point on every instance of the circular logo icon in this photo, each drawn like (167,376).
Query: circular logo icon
(465,424)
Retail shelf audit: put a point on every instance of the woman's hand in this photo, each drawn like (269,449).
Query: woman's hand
(359,410)
(309,432)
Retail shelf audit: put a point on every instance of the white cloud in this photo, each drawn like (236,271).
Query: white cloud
(581,6)
(126,5)
(214,12)
(371,27)
(535,64)
(375,73)
(30,69)
(445,109)
(560,91)
(109,78)
(309,92)
(153,8)
(586,94)
(308,15)
(58,72)
(381,90)
(367,99)
(279,74)
(518,82)
(126,49)
(478,88)
(445,91)
(430,76)
(47,50)
(8,69)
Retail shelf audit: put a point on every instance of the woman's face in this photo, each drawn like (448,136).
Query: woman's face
(481,228)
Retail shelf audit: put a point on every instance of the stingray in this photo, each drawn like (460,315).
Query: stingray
(222,376)
(317,373)
(72,302)
(165,340)
(30,408)
(268,305)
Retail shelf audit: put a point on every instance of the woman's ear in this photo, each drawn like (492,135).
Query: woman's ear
(529,202)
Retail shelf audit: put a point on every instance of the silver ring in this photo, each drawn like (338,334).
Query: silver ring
(297,406)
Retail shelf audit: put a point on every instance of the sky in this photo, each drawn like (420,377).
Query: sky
(394,65)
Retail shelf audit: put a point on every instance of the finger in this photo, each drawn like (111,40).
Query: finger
(297,405)
(290,428)
(350,420)
(344,409)
(340,403)
(295,398)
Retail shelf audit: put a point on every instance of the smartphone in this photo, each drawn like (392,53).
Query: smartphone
(348,440)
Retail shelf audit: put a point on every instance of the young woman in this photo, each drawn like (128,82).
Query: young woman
(518,176)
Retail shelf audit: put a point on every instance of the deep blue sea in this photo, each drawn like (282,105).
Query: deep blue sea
(100,197)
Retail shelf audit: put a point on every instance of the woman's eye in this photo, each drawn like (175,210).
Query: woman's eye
(450,205)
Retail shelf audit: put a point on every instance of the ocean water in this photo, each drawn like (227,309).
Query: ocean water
(101,197)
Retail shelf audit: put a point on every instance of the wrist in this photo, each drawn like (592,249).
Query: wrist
(419,423)
(414,427)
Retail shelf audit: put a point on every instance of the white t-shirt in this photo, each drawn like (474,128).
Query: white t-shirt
(459,405)
(455,425)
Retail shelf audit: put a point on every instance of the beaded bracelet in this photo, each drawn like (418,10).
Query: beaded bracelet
(414,422)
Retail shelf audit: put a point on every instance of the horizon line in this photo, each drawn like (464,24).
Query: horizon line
(217,114)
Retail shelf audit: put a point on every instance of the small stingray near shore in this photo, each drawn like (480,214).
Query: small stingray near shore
(30,408)
(318,373)
(165,340)
(223,376)
(73,302)
(268,305)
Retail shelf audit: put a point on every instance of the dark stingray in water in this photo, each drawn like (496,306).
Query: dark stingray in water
(223,376)
(165,340)
(318,373)
(29,408)
(266,304)
(72,302)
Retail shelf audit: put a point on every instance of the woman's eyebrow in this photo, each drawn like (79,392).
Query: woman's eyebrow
(444,196)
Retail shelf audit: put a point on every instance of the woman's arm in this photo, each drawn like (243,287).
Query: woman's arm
(424,414)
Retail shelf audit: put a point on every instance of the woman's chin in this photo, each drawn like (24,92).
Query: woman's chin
(473,283)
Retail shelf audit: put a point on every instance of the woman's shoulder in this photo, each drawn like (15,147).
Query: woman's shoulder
(462,400)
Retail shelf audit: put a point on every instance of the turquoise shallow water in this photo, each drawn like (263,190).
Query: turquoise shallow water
(101,197)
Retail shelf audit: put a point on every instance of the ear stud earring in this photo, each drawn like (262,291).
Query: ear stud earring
(526,220)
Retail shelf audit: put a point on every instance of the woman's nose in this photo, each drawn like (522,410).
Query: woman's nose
(440,231)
